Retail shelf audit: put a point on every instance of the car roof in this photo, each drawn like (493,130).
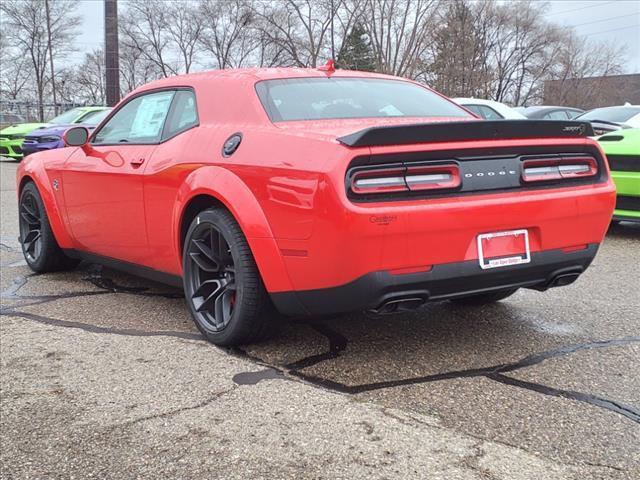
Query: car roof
(258,74)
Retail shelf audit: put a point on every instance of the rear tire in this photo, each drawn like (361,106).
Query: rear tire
(39,246)
(485,298)
(222,284)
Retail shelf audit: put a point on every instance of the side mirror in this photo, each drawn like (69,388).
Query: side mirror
(76,137)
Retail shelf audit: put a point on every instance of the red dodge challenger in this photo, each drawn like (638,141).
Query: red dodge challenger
(316,192)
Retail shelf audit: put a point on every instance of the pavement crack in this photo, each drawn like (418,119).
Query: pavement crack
(527,361)
(206,402)
(611,405)
(130,332)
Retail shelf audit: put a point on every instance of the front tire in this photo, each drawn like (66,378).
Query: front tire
(39,246)
(222,284)
(485,298)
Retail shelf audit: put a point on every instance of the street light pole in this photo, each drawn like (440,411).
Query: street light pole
(112,67)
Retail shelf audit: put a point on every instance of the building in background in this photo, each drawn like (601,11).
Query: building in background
(593,92)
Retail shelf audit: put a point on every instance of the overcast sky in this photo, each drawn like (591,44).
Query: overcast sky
(600,21)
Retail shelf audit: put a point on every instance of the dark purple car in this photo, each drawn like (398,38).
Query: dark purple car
(48,138)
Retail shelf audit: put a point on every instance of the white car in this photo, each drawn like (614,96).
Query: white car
(489,109)
(608,119)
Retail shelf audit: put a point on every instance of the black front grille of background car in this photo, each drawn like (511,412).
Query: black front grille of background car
(4,150)
(473,162)
(624,163)
(626,202)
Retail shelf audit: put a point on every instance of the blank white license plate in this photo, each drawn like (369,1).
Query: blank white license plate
(502,249)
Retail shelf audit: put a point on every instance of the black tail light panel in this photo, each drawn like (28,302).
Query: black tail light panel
(480,171)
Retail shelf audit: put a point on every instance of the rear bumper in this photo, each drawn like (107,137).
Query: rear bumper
(547,269)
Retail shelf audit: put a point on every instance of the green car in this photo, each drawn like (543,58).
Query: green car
(11,138)
(623,152)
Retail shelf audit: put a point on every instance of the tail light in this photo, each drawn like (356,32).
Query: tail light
(405,179)
(432,177)
(546,169)
(379,181)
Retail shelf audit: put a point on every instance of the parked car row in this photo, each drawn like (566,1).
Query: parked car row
(13,138)
(616,128)
(603,120)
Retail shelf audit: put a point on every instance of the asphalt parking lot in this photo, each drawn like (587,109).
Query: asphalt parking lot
(104,375)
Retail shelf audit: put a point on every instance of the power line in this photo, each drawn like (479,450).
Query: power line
(612,30)
(601,20)
(582,8)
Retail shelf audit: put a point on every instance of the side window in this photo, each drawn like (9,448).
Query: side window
(556,115)
(475,109)
(139,121)
(183,114)
(489,113)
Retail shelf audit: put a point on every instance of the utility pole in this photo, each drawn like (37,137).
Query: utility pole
(111,61)
(53,78)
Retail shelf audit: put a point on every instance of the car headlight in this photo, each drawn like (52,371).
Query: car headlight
(49,139)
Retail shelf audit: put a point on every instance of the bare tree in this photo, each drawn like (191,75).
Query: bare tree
(185,28)
(15,78)
(577,61)
(135,69)
(229,35)
(89,78)
(400,32)
(26,31)
(144,27)
(459,51)
(307,31)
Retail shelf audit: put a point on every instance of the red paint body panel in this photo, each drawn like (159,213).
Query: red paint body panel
(285,185)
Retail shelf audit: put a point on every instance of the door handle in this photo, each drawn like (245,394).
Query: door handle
(136,162)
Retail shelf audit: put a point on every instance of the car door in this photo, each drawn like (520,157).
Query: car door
(102,182)
(172,162)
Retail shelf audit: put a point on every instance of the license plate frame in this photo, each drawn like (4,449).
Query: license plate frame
(508,259)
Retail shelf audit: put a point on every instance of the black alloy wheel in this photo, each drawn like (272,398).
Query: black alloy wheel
(212,279)
(39,245)
(223,287)
(30,227)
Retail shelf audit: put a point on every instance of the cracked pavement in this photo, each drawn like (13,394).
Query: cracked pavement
(104,375)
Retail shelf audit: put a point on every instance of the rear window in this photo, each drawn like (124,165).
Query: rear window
(335,98)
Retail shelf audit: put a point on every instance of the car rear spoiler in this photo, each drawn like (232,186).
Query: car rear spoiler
(466,130)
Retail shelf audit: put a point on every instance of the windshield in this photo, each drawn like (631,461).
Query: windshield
(334,98)
(67,117)
(94,118)
(610,114)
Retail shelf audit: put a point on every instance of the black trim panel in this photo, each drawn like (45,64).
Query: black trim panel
(131,268)
(624,163)
(627,202)
(442,282)
(471,130)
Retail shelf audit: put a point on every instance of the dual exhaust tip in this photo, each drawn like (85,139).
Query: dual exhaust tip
(408,303)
